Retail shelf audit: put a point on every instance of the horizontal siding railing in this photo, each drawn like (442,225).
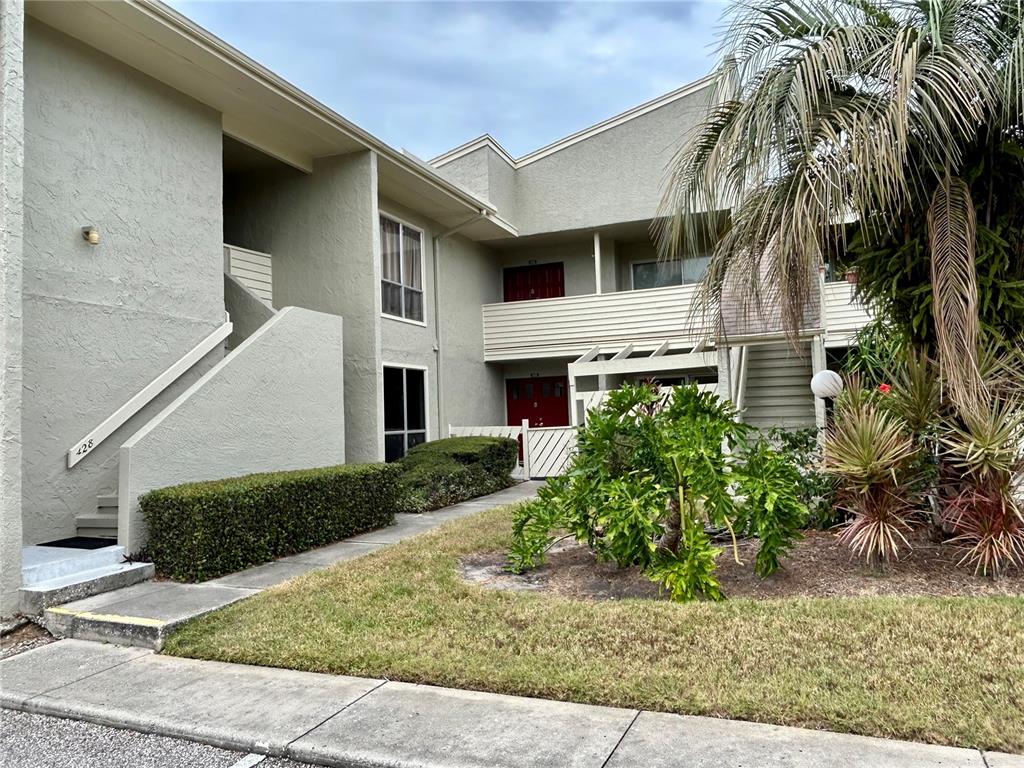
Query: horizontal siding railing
(844,314)
(570,325)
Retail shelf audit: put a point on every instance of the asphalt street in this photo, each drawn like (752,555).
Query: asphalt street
(35,741)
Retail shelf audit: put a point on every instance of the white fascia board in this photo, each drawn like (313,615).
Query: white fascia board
(472,146)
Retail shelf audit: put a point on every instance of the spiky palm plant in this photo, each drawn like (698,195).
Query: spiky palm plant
(832,111)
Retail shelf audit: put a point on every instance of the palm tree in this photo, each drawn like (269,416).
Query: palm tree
(832,111)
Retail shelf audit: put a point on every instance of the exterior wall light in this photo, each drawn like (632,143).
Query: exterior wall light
(827,385)
(91,235)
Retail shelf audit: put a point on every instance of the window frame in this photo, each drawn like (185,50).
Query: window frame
(402,227)
(405,431)
(634,262)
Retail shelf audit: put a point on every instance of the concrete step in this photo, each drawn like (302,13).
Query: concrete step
(101,524)
(107,501)
(42,595)
(41,564)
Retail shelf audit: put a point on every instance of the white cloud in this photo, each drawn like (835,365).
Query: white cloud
(429,75)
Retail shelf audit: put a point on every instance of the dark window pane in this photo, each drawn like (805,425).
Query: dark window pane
(393,399)
(415,438)
(415,407)
(413,304)
(391,299)
(546,389)
(515,391)
(657,274)
(529,390)
(559,389)
(394,446)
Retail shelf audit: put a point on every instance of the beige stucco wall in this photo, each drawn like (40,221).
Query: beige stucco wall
(11,212)
(274,403)
(109,147)
(321,231)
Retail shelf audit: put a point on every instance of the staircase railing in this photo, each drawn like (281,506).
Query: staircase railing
(108,426)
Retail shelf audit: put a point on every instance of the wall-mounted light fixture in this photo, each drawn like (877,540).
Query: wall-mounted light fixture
(91,235)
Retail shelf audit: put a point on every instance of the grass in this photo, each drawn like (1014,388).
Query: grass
(947,671)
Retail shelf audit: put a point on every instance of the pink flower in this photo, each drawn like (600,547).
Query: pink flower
(885,389)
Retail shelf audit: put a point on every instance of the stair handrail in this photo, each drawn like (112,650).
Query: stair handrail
(112,423)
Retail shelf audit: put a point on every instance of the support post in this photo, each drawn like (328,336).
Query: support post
(597,262)
(819,363)
(526,448)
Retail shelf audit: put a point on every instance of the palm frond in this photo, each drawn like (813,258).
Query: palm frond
(952,230)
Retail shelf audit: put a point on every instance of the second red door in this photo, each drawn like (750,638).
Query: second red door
(542,401)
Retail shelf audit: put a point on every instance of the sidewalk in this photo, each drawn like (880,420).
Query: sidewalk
(347,721)
(145,614)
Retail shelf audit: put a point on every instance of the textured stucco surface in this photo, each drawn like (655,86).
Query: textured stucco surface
(110,147)
(468,391)
(246,310)
(612,177)
(11,201)
(274,403)
(322,233)
(474,392)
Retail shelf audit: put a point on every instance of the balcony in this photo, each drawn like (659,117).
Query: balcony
(569,326)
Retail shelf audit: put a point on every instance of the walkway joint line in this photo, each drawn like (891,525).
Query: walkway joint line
(621,739)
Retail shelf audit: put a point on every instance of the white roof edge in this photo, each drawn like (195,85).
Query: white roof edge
(486,140)
(198,34)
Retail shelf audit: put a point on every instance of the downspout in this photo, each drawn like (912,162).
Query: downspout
(438,341)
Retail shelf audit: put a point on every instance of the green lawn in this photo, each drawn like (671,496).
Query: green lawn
(948,671)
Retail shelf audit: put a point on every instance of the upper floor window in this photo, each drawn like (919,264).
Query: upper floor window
(401,284)
(658,274)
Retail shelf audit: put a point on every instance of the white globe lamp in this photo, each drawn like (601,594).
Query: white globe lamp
(827,385)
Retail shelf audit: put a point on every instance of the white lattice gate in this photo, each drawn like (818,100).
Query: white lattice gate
(545,450)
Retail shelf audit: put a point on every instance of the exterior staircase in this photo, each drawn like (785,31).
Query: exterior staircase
(101,524)
(778,391)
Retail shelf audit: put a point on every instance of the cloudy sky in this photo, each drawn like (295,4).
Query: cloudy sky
(427,76)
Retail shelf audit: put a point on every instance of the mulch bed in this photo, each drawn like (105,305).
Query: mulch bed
(18,636)
(818,566)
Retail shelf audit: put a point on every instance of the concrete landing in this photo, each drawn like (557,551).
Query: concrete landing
(335,720)
(144,615)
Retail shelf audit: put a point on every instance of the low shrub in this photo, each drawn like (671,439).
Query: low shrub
(199,531)
(454,469)
(655,477)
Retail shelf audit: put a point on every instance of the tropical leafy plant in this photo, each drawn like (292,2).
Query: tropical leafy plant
(654,477)
(873,110)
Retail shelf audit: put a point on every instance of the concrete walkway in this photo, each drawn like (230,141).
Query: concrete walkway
(348,721)
(145,614)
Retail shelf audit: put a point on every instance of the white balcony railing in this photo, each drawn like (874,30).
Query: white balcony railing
(569,326)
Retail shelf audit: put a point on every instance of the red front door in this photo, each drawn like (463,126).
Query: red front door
(537,281)
(543,401)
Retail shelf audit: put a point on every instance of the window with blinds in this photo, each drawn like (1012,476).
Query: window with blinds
(401,285)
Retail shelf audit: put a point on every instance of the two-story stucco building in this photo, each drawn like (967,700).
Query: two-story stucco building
(205,272)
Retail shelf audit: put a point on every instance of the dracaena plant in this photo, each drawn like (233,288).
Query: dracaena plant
(872,453)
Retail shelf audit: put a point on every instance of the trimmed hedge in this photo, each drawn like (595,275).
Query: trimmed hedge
(199,531)
(454,469)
